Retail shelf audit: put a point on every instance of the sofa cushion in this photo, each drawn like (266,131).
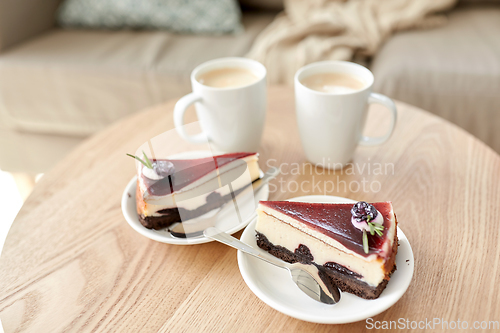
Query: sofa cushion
(77,82)
(452,71)
(33,153)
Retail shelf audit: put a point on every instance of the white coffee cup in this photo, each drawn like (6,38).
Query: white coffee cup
(231,118)
(331,123)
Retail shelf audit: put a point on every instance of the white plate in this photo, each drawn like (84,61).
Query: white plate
(130,212)
(274,286)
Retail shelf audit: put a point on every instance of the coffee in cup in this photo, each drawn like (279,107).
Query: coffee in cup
(337,83)
(229,77)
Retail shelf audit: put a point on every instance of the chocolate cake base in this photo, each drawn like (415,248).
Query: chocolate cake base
(331,273)
(158,222)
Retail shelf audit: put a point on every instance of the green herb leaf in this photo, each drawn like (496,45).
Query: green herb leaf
(365,241)
(137,158)
(149,164)
(379,232)
(372,228)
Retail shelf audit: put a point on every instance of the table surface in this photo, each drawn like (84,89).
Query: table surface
(72,263)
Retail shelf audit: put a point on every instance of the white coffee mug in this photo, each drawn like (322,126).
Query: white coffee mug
(231,118)
(331,124)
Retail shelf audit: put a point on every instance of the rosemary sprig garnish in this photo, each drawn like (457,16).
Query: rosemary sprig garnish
(365,241)
(375,228)
(150,165)
(147,163)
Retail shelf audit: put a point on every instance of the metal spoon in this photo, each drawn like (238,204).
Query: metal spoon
(306,277)
(194,228)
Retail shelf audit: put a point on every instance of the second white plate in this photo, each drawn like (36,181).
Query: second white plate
(274,286)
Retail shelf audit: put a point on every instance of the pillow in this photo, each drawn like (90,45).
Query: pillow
(191,16)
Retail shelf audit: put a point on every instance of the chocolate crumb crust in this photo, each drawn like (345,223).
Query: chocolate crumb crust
(160,222)
(304,253)
(331,273)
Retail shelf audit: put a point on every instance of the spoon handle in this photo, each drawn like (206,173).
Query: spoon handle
(229,240)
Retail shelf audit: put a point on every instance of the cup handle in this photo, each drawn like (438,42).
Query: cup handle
(179,111)
(388,103)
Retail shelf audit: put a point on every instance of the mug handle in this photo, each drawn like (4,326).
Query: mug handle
(179,111)
(388,103)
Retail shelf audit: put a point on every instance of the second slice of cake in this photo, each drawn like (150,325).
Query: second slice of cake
(176,190)
(332,238)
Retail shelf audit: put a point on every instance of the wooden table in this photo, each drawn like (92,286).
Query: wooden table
(72,263)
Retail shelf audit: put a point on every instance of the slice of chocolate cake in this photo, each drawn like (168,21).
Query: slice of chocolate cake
(355,245)
(175,190)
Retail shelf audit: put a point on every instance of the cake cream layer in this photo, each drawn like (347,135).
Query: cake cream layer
(288,232)
(232,176)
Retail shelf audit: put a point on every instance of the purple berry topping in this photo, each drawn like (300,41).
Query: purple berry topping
(363,211)
(163,168)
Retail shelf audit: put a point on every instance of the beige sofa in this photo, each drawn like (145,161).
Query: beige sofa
(59,86)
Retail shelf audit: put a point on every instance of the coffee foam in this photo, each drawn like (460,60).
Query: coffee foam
(335,83)
(227,77)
